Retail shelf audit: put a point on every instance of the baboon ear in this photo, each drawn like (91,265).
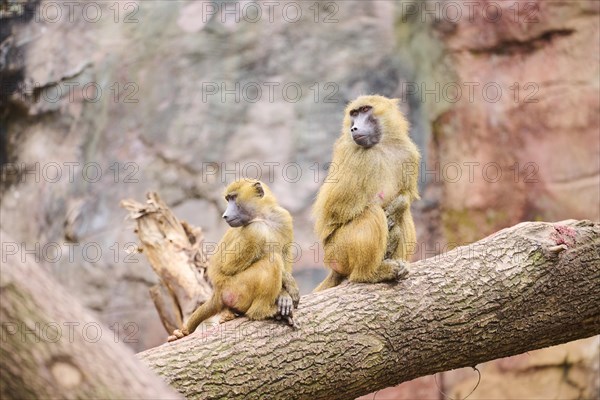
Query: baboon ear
(259,189)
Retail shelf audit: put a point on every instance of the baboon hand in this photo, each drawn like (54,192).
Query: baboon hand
(398,205)
(400,268)
(285,305)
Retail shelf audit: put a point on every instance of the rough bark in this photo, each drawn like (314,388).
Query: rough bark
(174,251)
(51,347)
(523,288)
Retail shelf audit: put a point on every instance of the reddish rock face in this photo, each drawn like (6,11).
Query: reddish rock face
(521,139)
(526,149)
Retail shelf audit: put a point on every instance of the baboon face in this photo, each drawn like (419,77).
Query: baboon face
(235,215)
(241,204)
(364,127)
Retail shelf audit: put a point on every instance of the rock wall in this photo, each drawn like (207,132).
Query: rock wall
(510,92)
(106,101)
(511,96)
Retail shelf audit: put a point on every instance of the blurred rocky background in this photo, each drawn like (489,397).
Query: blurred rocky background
(103,101)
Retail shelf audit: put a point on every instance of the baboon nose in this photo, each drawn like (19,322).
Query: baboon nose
(353,129)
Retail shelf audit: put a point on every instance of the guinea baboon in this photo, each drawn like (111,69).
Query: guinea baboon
(362,210)
(251,268)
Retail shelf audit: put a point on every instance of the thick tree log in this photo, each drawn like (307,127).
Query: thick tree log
(523,288)
(174,251)
(52,348)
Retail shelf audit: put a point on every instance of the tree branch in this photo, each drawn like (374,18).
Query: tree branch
(523,288)
(51,347)
(174,250)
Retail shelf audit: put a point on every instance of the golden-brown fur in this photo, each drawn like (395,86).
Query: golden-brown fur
(251,267)
(363,187)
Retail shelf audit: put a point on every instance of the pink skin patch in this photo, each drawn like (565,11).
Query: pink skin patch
(563,235)
(229,299)
(333,264)
(379,198)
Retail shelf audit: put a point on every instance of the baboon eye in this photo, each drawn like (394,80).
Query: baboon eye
(365,109)
(353,113)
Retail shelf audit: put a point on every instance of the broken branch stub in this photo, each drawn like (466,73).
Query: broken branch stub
(174,250)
